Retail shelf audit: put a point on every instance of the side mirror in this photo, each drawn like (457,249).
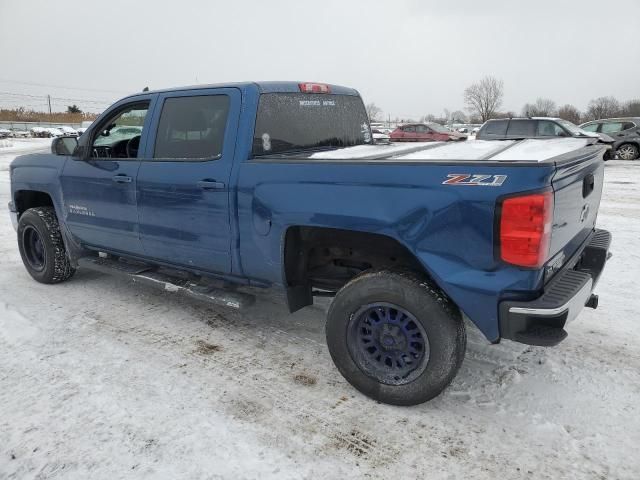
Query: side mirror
(562,133)
(64,145)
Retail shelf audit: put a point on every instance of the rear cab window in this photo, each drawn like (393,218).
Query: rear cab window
(299,122)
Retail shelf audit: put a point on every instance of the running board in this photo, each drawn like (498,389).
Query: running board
(148,275)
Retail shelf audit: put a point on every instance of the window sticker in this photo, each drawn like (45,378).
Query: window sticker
(309,103)
(266,142)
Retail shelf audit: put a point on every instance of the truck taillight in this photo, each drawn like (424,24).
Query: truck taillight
(314,87)
(525,229)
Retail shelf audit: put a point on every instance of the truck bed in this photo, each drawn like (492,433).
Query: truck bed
(530,150)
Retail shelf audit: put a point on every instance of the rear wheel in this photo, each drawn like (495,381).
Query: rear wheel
(395,337)
(627,151)
(41,246)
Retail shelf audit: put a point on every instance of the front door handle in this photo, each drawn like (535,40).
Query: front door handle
(211,185)
(120,178)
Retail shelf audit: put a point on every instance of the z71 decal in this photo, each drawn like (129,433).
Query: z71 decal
(467,179)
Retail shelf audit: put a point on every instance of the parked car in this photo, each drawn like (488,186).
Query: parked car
(68,131)
(4,133)
(54,132)
(624,131)
(537,127)
(379,136)
(278,184)
(425,132)
(19,133)
(530,127)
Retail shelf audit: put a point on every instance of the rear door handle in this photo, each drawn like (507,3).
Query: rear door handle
(211,185)
(120,178)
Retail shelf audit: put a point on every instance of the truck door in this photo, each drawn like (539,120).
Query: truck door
(99,191)
(183,187)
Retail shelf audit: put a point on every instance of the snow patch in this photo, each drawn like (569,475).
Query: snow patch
(15,328)
(465,150)
(170,287)
(363,151)
(537,149)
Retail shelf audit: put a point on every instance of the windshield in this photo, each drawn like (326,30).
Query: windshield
(289,122)
(574,129)
(438,128)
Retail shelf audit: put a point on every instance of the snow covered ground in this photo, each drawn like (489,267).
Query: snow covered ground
(100,378)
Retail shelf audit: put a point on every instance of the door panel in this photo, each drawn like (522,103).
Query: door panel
(183,204)
(100,203)
(100,193)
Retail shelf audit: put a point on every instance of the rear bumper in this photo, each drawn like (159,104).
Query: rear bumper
(542,321)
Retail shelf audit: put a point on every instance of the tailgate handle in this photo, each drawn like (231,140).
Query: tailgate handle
(587,185)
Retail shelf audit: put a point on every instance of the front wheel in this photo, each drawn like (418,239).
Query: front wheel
(395,337)
(41,247)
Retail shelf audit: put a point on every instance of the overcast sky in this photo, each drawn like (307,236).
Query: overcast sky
(410,57)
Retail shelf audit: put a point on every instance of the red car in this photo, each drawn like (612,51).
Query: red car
(425,132)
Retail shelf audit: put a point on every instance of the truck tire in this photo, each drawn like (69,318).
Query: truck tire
(395,337)
(41,247)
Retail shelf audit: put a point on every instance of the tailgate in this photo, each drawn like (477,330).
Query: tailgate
(577,186)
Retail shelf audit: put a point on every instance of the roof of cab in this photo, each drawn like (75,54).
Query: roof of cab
(263,87)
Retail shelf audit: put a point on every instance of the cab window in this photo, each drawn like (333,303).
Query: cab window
(498,127)
(119,136)
(192,127)
(521,128)
(611,127)
(591,128)
(550,129)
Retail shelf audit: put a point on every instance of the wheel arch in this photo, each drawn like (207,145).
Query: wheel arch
(327,258)
(24,199)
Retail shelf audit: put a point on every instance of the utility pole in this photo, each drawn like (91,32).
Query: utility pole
(49,101)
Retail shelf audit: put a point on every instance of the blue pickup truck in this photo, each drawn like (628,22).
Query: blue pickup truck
(203,190)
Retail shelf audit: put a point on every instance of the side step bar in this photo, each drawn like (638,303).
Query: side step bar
(148,275)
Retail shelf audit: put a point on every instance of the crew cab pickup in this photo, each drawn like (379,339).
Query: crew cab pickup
(205,191)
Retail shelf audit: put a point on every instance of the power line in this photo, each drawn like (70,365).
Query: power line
(84,100)
(6,80)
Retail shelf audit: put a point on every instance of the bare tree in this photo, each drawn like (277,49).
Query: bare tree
(543,107)
(631,108)
(458,117)
(373,111)
(570,113)
(603,107)
(484,97)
